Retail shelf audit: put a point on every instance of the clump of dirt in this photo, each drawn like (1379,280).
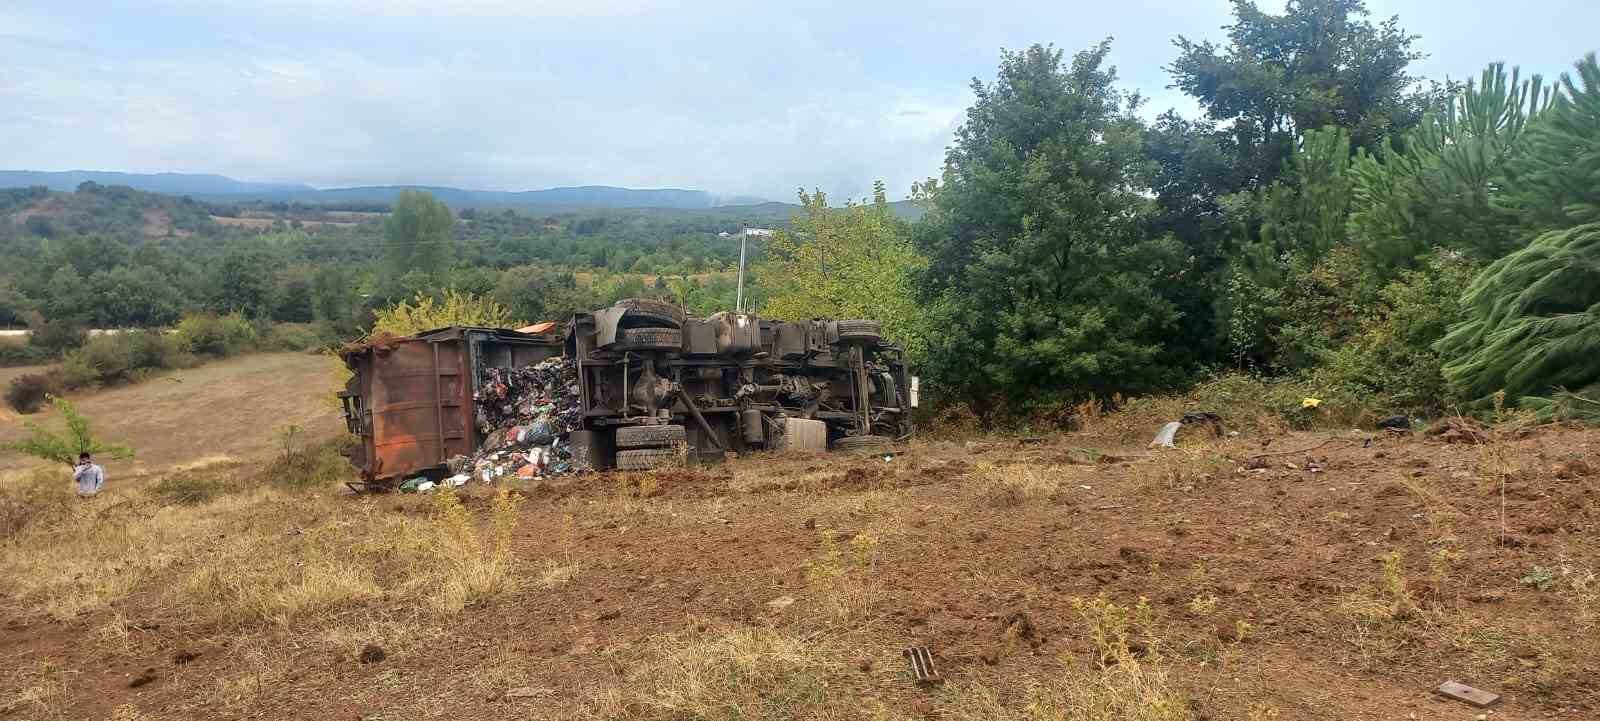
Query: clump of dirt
(1390,490)
(674,483)
(372,653)
(1458,430)
(146,678)
(860,478)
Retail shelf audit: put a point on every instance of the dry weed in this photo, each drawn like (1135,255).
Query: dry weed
(745,674)
(474,569)
(1191,469)
(37,692)
(1015,486)
(1119,685)
(842,575)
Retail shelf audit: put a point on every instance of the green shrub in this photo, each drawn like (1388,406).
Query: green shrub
(22,354)
(216,335)
(40,498)
(64,447)
(1391,364)
(1253,402)
(57,334)
(190,488)
(77,372)
(302,466)
(295,337)
(27,393)
(123,357)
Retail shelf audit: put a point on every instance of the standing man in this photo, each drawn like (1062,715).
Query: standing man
(89,475)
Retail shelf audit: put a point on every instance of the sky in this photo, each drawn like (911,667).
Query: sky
(734,97)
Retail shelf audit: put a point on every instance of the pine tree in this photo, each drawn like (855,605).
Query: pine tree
(1534,316)
(1435,188)
(1556,181)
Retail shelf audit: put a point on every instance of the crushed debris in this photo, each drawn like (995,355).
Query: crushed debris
(527,415)
(922,670)
(1168,433)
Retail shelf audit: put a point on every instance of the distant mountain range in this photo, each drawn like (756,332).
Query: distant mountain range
(220,188)
(174,183)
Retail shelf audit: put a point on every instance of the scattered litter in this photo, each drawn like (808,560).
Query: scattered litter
(1206,418)
(527,692)
(922,669)
(1467,694)
(1087,488)
(1396,422)
(1169,432)
(1310,402)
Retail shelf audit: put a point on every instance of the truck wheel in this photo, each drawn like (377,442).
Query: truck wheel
(862,444)
(650,436)
(860,330)
(644,459)
(654,312)
(650,339)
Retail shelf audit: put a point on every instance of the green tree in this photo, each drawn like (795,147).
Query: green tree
(124,297)
(418,235)
(1436,189)
(1532,324)
(542,294)
(1555,181)
(1319,63)
(852,262)
(1533,321)
(243,283)
(1042,285)
(44,444)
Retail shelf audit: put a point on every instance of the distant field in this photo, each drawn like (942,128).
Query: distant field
(265,223)
(231,408)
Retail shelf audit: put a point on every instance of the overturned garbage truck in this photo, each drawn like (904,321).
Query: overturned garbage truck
(634,386)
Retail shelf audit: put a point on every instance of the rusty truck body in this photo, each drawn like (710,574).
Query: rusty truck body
(654,386)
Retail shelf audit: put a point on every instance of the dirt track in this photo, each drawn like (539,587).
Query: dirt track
(1268,585)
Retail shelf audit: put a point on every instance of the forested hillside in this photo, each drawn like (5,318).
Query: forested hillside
(110,256)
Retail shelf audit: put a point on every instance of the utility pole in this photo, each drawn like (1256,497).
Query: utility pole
(738,298)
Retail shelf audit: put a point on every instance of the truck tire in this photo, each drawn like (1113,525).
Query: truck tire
(650,436)
(644,459)
(862,444)
(650,339)
(651,312)
(860,331)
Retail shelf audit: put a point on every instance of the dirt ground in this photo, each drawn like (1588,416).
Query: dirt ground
(1301,576)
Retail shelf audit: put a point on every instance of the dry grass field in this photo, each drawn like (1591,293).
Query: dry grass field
(1271,575)
(227,410)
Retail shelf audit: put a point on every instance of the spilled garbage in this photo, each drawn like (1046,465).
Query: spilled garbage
(525,416)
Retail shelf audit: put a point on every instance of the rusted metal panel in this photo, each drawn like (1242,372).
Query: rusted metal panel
(421,406)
